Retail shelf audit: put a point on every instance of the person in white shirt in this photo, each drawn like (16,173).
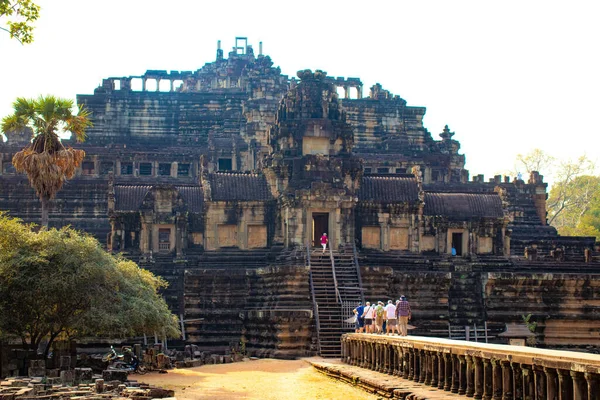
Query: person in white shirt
(368,315)
(390,316)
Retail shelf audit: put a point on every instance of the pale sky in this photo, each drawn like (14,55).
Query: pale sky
(506,76)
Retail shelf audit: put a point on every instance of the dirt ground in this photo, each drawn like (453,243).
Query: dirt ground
(263,379)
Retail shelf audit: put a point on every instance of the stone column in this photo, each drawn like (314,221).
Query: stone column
(592,385)
(565,385)
(434,368)
(551,383)
(448,372)
(540,382)
(488,379)
(416,365)
(428,371)
(410,365)
(579,386)
(506,389)
(422,366)
(478,367)
(441,357)
(528,387)
(462,375)
(470,377)
(517,381)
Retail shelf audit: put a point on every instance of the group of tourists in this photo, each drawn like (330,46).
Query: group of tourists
(377,317)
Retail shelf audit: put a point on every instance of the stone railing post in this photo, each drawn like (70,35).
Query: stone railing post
(410,365)
(428,370)
(551,383)
(462,375)
(517,381)
(448,372)
(422,366)
(470,375)
(488,379)
(579,386)
(441,370)
(528,388)
(592,385)
(434,369)
(565,385)
(478,368)
(540,382)
(506,390)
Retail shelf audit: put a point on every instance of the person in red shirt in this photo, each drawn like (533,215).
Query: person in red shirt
(324,241)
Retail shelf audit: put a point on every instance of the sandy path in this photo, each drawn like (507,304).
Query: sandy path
(261,379)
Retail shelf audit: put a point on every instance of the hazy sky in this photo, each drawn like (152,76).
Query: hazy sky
(506,76)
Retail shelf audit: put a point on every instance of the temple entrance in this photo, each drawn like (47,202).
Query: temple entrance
(320,225)
(457,239)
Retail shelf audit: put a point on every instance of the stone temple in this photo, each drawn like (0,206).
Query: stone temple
(222,180)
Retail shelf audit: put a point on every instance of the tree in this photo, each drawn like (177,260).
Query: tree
(535,160)
(25,12)
(47,163)
(61,282)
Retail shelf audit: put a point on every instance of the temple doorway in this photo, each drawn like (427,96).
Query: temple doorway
(320,225)
(457,241)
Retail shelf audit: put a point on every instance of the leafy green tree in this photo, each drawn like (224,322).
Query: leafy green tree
(20,15)
(56,283)
(47,163)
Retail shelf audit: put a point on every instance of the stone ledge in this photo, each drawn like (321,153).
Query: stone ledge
(380,384)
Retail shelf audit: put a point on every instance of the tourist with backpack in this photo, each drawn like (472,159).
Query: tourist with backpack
(379,314)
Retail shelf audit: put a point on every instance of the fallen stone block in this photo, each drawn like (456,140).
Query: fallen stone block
(83,375)
(67,377)
(114,375)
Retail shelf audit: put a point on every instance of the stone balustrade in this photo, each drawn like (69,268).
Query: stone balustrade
(478,370)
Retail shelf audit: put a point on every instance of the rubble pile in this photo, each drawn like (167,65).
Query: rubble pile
(44,388)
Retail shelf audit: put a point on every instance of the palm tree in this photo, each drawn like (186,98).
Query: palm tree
(47,163)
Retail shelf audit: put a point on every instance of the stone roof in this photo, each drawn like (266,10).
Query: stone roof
(239,186)
(388,189)
(193,197)
(130,197)
(463,205)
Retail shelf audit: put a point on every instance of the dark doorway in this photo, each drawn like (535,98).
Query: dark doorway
(457,243)
(319,227)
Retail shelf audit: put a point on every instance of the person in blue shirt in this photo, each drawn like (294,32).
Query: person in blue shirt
(453,251)
(360,321)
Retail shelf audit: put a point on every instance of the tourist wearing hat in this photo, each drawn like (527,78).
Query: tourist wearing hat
(368,315)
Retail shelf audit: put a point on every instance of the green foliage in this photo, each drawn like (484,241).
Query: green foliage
(22,14)
(574,200)
(61,282)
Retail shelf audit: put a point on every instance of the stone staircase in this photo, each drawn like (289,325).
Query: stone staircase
(329,301)
(465,302)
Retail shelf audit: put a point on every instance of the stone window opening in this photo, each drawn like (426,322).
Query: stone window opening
(164,239)
(367,171)
(183,169)
(137,84)
(435,175)
(8,168)
(164,169)
(399,170)
(225,164)
(341,92)
(177,85)
(383,170)
(164,85)
(352,93)
(87,168)
(126,168)
(117,84)
(151,85)
(145,169)
(106,167)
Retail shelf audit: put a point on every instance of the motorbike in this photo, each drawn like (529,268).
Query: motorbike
(127,361)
